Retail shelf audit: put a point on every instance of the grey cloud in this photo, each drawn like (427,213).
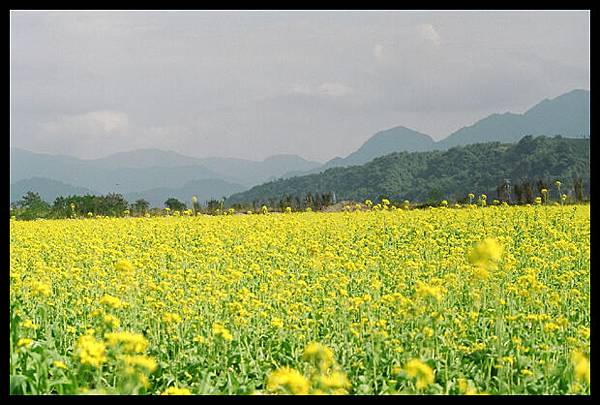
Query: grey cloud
(251,84)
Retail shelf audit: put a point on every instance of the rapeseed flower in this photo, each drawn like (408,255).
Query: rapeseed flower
(581,366)
(423,290)
(319,355)
(171,318)
(176,391)
(486,254)
(29,324)
(145,363)
(111,301)
(336,380)
(24,342)
(287,381)
(128,341)
(91,352)
(41,289)
(423,374)
(124,266)
(59,364)
(221,332)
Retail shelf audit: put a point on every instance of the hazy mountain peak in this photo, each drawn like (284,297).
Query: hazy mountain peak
(133,171)
(567,115)
(574,99)
(390,140)
(286,157)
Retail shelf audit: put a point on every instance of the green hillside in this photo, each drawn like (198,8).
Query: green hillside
(434,175)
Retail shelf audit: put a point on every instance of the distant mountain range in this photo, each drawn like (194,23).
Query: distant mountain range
(435,175)
(156,175)
(204,190)
(149,173)
(567,115)
(48,189)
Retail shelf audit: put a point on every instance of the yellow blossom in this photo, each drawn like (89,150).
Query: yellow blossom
(130,342)
(581,366)
(319,355)
(486,254)
(176,391)
(111,301)
(124,266)
(59,364)
(221,332)
(287,381)
(24,342)
(335,380)
(148,364)
(422,372)
(91,351)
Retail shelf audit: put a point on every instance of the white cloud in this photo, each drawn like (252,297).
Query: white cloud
(428,32)
(92,123)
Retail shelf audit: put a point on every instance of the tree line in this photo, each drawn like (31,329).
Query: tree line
(511,173)
(429,177)
(32,206)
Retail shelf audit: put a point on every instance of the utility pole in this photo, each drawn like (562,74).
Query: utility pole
(507,185)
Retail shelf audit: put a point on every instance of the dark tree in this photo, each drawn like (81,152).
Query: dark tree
(140,206)
(578,187)
(174,204)
(527,192)
(309,200)
(31,200)
(503,191)
(213,205)
(286,201)
(541,184)
(32,206)
(113,204)
(518,189)
(318,204)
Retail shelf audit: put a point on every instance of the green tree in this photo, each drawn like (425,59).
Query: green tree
(32,206)
(174,204)
(578,187)
(213,205)
(140,206)
(113,204)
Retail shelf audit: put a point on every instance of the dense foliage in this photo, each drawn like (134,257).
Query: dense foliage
(450,175)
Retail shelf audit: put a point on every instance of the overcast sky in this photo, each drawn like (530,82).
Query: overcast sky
(254,84)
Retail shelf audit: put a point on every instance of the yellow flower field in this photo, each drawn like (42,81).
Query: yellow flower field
(488,300)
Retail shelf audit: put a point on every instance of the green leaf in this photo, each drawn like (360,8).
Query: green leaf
(17,384)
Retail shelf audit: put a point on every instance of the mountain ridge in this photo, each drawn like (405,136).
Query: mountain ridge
(160,167)
(546,117)
(147,169)
(449,174)
(48,189)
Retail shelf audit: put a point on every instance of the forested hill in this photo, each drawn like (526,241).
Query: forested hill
(434,175)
